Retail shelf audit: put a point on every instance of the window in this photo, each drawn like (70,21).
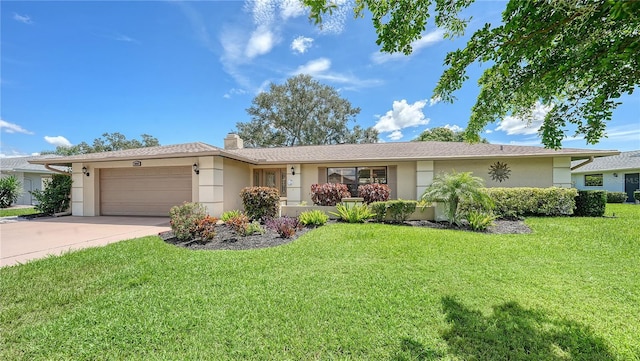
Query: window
(593,180)
(355,176)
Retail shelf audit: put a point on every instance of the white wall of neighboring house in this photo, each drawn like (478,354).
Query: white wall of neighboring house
(611,181)
(29,182)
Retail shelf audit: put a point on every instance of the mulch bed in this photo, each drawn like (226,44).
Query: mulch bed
(227,239)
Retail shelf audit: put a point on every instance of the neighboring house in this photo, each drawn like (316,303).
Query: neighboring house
(148,181)
(31,176)
(617,173)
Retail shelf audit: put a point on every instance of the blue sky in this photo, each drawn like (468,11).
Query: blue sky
(186,71)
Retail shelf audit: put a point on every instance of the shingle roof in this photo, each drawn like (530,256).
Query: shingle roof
(625,160)
(21,164)
(403,151)
(337,153)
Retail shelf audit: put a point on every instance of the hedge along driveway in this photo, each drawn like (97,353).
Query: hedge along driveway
(570,290)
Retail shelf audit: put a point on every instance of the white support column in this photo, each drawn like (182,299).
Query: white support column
(77,190)
(562,172)
(424,176)
(210,184)
(294,184)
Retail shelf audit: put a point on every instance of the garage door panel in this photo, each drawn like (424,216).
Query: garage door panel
(143,191)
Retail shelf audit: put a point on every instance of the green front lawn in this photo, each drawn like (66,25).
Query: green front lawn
(569,291)
(8,212)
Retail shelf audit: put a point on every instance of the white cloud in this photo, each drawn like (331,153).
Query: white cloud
(403,115)
(528,123)
(395,135)
(232,92)
(25,19)
(334,23)
(314,67)
(291,9)
(261,42)
(425,41)
(454,128)
(58,141)
(301,44)
(12,128)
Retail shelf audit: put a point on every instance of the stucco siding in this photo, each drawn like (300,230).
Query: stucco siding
(236,176)
(525,172)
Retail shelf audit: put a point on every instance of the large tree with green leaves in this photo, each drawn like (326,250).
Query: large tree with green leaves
(442,134)
(108,142)
(302,112)
(576,56)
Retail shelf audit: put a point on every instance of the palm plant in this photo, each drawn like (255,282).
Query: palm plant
(454,188)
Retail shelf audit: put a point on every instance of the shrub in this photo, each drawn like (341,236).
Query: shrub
(260,202)
(636,195)
(313,218)
(185,220)
(206,228)
(374,192)
(400,210)
(616,197)
(525,201)
(10,189)
(353,213)
(229,214)
(285,226)
(591,203)
(479,220)
(253,227)
(56,195)
(380,210)
(239,223)
(329,194)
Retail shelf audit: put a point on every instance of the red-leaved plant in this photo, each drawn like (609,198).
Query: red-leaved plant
(329,194)
(374,192)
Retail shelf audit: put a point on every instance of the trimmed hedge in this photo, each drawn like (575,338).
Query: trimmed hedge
(260,202)
(591,203)
(616,197)
(525,201)
(398,210)
(374,192)
(329,194)
(636,195)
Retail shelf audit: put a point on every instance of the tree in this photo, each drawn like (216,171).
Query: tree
(10,189)
(454,188)
(109,142)
(442,134)
(302,112)
(577,57)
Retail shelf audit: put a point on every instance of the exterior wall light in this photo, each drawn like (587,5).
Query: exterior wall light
(85,171)
(615,175)
(196,168)
(293,170)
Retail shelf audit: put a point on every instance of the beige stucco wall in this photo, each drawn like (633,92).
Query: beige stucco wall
(237,175)
(525,172)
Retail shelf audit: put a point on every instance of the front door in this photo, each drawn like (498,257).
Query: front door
(28,187)
(631,184)
(273,178)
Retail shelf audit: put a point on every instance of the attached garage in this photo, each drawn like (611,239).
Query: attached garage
(149,191)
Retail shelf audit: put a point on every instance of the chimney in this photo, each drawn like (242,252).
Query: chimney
(233,141)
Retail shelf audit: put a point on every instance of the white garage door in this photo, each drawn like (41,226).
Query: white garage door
(143,191)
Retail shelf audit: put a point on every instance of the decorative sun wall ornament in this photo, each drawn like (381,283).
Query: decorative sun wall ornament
(499,171)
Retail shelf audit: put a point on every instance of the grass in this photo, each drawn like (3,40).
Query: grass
(569,291)
(8,212)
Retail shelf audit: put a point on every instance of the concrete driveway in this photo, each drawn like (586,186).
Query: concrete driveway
(24,240)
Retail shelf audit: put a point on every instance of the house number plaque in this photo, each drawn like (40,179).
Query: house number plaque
(137,163)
